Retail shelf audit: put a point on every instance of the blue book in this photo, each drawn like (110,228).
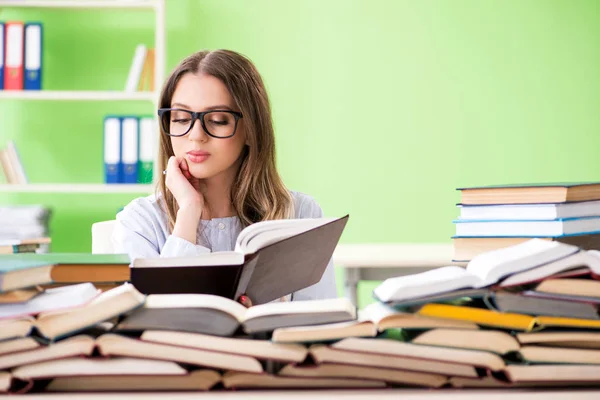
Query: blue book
(33,56)
(559,227)
(130,148)
(2,29)
(112,150)
(22,273)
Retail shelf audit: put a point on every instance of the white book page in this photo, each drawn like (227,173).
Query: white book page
(341,304)
(439,280)
(264,233)
(219,303)
(581,259)
(251,230)
(55,299)
(490,267)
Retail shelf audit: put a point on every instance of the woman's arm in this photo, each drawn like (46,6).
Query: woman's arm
(141,232)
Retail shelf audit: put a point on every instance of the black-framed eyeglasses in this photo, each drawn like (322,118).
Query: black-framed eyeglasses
(220,124)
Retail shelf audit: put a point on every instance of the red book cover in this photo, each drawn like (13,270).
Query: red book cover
(13,74)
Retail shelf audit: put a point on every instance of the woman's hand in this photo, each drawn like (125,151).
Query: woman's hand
(184,187)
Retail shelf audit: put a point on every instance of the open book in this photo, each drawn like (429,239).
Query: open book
(484,270)
(271,259)
(213,315)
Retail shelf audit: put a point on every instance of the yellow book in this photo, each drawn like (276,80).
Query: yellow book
(504,320)
(480,316)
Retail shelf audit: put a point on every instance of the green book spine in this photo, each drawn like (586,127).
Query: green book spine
(145,172)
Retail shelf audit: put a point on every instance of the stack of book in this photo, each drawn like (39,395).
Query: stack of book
(105,271)
(529,314)
(25,224)
(525,315)
(493,217)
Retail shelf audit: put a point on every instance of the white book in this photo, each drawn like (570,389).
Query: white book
(530,212)
(558,227)
(484,270)
(135,71)
(54,299)
(15,160)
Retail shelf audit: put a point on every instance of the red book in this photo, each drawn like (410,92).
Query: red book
(13,74)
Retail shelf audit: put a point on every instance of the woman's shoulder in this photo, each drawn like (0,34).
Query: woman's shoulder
(305,206)
(145,207)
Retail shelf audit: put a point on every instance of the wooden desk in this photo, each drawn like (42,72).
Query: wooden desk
(381,261)
(381,394)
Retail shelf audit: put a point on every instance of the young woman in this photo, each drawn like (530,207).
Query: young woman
(217,151)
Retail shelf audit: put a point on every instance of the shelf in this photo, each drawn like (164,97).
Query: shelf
(76,95)
(82,4)
(77,188)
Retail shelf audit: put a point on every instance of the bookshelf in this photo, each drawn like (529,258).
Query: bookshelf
(83,4)
(158,7)
(76,95)
(77,188)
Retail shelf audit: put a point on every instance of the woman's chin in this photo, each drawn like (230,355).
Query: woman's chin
(200,173)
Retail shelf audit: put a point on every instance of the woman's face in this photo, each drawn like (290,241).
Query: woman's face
(206,156)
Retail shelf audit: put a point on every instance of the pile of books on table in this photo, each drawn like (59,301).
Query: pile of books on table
(524,315)
(492,217)
(24,228)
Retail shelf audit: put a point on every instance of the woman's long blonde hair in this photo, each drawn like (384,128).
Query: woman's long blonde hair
(258,193)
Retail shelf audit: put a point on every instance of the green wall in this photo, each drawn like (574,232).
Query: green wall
(382,108)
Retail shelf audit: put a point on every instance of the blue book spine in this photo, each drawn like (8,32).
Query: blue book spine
(2,29)
(33,56)
(112,150)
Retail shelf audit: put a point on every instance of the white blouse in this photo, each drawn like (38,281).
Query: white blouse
(141,231)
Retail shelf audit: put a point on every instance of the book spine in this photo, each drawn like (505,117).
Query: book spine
(129,149)
(2,46)
(33,56)
(147,154)
(13,74)
(112,149)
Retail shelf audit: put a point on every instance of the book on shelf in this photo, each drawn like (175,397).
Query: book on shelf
(484,270)
(13,55)
(533,193)
(12,166)
(146,81)
(272,259)
(135,70)
(221,316)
